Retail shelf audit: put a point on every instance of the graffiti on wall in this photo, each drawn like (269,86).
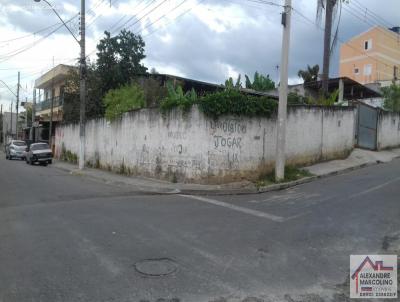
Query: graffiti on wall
(227,142)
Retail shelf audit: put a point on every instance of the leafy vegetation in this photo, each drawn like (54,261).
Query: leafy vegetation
(329,99)
(232,101)
(68,156)
(228,101)
(391,97)
(124,99)
(294,98)
(230,85)
(177,98)
(94,96)
(291,174)
(119,59)
(118,63)
(310,74)
(260,82)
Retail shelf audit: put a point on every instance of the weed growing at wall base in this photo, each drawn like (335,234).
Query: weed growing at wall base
(291,174)
(68,156)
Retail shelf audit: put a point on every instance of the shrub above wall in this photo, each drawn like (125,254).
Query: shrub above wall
(226,102)
(232,101)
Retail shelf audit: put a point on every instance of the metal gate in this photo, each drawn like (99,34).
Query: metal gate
(367,126)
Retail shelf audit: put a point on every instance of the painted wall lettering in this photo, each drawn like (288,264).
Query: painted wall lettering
(229,126)
(230,142)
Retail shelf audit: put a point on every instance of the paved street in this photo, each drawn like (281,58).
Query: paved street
(68,238)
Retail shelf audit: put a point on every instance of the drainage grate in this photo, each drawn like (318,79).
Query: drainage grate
(157,267)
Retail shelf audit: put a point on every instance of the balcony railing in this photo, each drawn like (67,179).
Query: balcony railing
(46,104)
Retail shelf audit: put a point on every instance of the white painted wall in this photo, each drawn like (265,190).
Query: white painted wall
(192,147)
(388,130)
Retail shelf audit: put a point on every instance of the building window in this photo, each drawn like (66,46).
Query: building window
(368,44)
(367,69)
(356,70)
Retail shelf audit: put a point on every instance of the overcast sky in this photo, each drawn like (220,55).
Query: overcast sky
(207,40)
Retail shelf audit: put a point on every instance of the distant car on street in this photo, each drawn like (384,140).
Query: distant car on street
(15,149)
(39,153)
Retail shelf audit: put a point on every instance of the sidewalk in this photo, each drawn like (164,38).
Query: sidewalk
(357,159)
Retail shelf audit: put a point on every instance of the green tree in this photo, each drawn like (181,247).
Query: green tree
(119,59)
(230,85)
(310,74)
(260,82)
(94,96)
(123,99)
(391,97)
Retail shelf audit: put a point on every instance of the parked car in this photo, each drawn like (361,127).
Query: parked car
(39,153)
(15,149)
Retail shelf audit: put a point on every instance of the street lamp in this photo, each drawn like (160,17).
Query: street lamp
(82,77)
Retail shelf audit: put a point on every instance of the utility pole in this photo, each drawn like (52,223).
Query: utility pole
(12,103)
(32,134)
(82,76)
(17,105)
(327,44)
(282,109)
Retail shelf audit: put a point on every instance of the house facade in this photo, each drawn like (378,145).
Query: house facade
(372,56)
(50,89)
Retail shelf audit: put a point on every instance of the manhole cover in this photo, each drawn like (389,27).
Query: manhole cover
(156,267)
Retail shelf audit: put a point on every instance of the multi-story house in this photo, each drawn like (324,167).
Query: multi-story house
(372,56)
(50,95)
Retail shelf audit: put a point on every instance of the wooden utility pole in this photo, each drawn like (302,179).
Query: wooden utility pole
(327,44)
(282,108)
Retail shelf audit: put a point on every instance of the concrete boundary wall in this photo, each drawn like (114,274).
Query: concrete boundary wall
(388,130)
(191,147)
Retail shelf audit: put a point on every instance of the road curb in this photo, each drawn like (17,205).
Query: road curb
(222,191)
(285,185)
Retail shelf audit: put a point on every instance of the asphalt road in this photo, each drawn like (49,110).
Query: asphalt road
(68,238)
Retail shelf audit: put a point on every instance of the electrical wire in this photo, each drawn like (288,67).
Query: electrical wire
(343,42)
(371,13)
(175,19)
(25,48)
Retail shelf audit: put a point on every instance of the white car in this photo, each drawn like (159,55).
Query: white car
(15,149)
(39,153)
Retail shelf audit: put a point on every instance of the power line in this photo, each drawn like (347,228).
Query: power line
(371,23)
(371,13)
(131,18)
(123,17)
(24,48)
(266,2)
(343,42)
(97,16)
(163,16)
(32,34)
(176,18)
